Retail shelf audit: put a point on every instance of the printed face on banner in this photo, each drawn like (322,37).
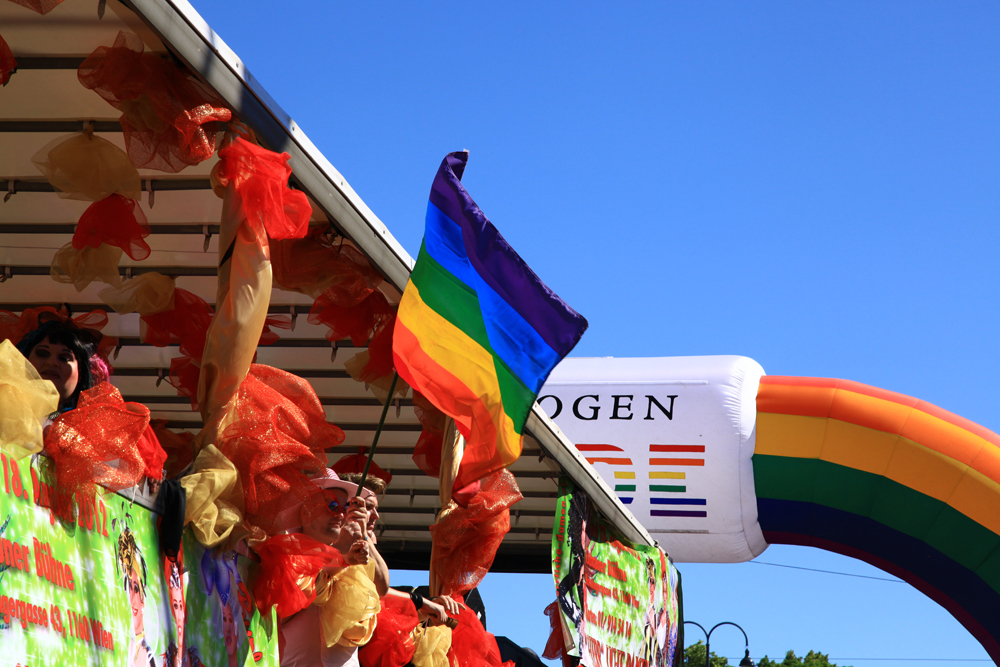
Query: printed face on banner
(82,581)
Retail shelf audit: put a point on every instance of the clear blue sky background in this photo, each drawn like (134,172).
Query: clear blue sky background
(813,185)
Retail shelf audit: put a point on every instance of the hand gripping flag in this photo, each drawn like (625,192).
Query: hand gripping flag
(477,332)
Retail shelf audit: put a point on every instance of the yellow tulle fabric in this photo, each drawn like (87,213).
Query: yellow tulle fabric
(145,294)
(87,167)
(214,499)
(432,645)
(348,605)
(25,401)
(82,266)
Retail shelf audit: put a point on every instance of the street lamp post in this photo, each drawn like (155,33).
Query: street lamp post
(745,662)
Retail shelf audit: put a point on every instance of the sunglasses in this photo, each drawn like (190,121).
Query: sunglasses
(335,507)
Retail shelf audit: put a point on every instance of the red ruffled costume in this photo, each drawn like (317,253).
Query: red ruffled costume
(103,442)
(285,562)
(281,430)
(168,117)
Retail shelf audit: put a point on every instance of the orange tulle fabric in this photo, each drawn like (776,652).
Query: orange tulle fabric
(152,453)
(8,63)
(184,373)
(178,445)
(261,178)
(87,167)
(357,322)
(40,6)
(427,451)
(98,442)
(356,463)
(269,337)
(169,118)
(391,645)
(375,363)
(281,431)
(314,264)
(288,568)
(471,645)
(467,539)
(116,221)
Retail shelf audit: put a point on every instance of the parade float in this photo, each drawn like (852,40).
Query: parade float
(241,301)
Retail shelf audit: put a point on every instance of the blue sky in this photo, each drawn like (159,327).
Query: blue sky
(813,185)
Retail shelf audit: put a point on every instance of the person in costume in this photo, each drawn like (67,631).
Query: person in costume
(377,487)
(63,354)
(343,616)
(132,569)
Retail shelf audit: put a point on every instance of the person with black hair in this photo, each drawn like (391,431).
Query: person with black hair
(62,353)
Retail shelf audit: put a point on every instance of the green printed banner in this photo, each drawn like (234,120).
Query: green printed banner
(83,582)
(618,603)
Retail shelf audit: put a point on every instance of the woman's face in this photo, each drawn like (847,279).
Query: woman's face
(136,598)
(229,629)
(177,609)
(57,364)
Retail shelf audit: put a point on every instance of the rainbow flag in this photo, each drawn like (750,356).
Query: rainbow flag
(477,332)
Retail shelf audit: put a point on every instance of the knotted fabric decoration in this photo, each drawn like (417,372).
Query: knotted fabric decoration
(348,605)
(98,442)
(260,177)
(168,117)
(179,447)
(87,167)
(357,322)
(427,451)
(356,463)
(314,264)
(214,500)
(146,294)
(432,646)
(289,565)
(391,644)
(555,647)
(13,327)
(40,6)
(8,64)
(25,401)
(471,645)
(116,221)
(465,540)
(281,430)
(81,266)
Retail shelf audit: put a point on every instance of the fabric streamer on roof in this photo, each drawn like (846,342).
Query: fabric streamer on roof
(8,63)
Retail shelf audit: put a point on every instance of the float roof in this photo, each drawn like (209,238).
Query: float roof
(44,100)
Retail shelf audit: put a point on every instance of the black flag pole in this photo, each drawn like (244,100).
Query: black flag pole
(378,431)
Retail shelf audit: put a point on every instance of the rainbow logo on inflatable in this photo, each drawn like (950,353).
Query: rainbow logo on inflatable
(624,475)
(669,481)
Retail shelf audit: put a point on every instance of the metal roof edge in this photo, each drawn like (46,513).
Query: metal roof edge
(183,28)
(559,447)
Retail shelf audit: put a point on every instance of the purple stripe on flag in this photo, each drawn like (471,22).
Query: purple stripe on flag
(500,266)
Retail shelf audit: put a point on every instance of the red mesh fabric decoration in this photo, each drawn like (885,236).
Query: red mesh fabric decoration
(185,324)
(184,373)
(179,447)
(355,322)
(116,221)
(427,451)
(281,432)
(313,265)
(40,6)
(556,646)
(10,327)
(285,560)
(268,337)
(356,463)
(261,178)
(98,442)
(380,362)
(466,540)
(8,63)
(152,453)
(169,119)
(391,645)
(471,645)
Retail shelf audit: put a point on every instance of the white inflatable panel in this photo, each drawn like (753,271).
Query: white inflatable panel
(673,436)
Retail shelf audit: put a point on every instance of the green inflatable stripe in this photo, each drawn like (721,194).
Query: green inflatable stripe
(890,503)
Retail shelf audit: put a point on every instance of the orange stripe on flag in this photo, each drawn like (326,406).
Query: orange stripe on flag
(676,462)
(610,461)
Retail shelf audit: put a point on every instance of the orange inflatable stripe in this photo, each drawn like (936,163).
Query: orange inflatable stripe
(887,412)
